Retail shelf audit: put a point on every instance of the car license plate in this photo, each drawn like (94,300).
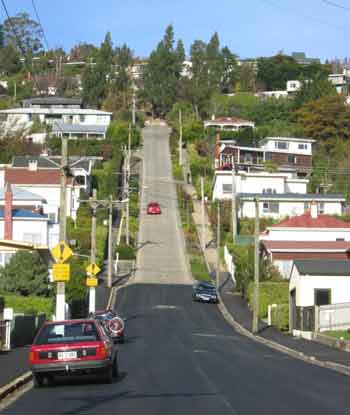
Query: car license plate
(67,355)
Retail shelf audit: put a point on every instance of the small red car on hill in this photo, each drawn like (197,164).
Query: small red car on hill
(72,347)
(153,208)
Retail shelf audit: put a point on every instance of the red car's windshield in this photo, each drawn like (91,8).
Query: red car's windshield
(68,333)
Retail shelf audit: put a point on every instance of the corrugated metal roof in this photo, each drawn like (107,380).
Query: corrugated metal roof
(21,194)
(306,245)
(292,196)
(79,128)
(330,267)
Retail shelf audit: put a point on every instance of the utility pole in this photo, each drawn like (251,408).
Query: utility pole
(234,213)
(203,215)
(133,109)
(110,242)
(127,230)
(218,247)
(61,286)
(180,137)
(255,326)
(92,290)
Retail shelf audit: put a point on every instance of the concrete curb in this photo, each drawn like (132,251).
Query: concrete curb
(15,384)
(345,370)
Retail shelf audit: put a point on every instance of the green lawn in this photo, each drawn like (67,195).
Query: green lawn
(338,334)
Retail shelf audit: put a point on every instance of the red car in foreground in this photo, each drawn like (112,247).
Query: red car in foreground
(72,347)
(153,208)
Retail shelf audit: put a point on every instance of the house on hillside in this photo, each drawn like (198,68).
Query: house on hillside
(71,122)
(47,184)
(284,152)
(22,220)
(53,102)
(319,292)
(228,123)
(308,236)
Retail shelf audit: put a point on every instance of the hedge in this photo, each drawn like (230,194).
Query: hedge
(29,305)
(270,293)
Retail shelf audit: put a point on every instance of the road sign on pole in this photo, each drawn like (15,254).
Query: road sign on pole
(91,282)
(93,269)
(61,272)
(61,252)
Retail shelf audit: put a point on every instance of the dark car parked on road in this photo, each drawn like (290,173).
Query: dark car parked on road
(205,291)
(72,347)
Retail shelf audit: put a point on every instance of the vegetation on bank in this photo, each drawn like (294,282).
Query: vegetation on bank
(29,304)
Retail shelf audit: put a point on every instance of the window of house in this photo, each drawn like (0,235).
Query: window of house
(281,145)
(306,206)
(292,159)
(52,217)
(227,188)
(320,208)
(271,207)
(323,296)
(82,118)
(3,117)
(302,146)
(268,156)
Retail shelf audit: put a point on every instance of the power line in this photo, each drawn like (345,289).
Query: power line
(41,26)
(338,6)
(298,14)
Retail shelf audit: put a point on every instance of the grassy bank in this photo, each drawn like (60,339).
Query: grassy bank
(29,305)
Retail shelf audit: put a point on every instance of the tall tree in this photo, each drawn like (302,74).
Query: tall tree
(199,81)
(162,74)
(96,78)
(229,76)
(23,33)
(2,40)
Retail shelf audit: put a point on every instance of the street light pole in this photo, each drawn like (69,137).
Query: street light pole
(203,215)
(61,287)
(218,247)
(234,207)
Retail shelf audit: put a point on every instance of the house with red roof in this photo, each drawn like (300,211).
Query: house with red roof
(311,236)
(44,182)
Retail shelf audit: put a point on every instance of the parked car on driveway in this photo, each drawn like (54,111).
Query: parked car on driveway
(72,347)
(205,291)
(153,208)
(113,324)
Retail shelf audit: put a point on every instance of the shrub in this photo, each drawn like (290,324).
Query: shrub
(25,274)
(270,293)
(280,317)
(126,252)
(30,304)
(199,269)
(2,304)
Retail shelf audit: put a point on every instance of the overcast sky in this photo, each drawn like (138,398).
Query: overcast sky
(249,27)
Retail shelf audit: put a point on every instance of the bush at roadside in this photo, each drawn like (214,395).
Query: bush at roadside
(270,293)
(29,305)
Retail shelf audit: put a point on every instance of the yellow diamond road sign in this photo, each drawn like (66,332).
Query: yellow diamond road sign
(61,252)
(93,269)
(61,272)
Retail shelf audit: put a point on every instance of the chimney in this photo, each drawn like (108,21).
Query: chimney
(8,212)
(314,210)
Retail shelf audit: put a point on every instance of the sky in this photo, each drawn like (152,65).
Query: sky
(250,28)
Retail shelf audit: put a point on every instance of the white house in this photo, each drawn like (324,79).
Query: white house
(339,81)
(228,123)
(23,118)
(316,283)
(46,183)
(308,236)
(293,86)
(22,225)
(293,145)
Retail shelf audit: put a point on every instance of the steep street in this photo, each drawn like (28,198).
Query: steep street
(181,357)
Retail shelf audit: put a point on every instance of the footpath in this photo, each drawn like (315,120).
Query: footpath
(236,308)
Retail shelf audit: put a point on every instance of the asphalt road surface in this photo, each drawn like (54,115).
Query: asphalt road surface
(181,357)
